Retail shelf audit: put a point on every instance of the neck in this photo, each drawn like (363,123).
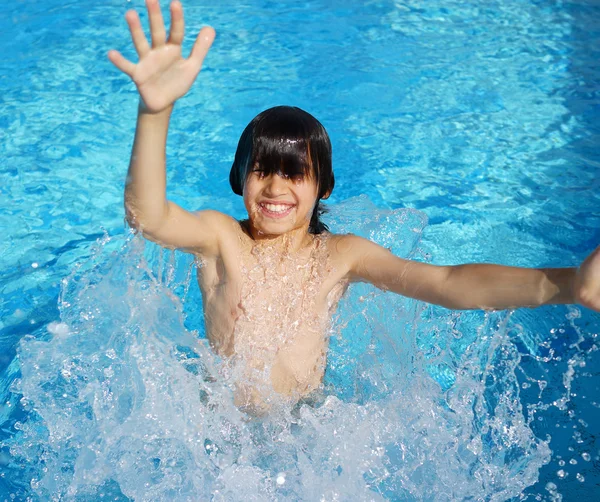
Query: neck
(290,242)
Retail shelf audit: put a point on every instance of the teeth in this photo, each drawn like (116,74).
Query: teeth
(276,208)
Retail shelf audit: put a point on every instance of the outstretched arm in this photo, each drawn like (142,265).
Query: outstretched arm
(474,286)
(162,76)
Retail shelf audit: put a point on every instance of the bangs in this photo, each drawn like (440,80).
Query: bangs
(282,155)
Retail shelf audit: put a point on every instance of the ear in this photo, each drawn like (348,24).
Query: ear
(326,195)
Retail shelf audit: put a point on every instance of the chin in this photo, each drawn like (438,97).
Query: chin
(273,229)
(277,228)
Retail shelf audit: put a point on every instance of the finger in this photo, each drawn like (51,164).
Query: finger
(177,27)
(121,63)
(203,42)
(137,33)
(157,25)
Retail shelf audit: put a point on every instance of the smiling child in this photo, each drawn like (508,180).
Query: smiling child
(271,283)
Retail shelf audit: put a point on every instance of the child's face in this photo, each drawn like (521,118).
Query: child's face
(278,204)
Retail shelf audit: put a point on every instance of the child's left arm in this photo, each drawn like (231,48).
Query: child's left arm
(472,286)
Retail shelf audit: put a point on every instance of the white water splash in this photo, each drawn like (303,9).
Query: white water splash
(123,400)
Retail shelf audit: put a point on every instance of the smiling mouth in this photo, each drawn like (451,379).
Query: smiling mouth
(275,210)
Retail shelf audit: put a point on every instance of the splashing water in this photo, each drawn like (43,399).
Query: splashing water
(125,399)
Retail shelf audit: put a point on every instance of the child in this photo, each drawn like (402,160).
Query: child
(271,283)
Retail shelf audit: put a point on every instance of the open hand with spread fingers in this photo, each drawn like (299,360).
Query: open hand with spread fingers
(162,75)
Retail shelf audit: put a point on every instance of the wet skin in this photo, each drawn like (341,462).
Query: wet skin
(270,290)
(269,287)
(269,310)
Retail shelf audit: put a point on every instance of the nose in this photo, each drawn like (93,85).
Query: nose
(276,185)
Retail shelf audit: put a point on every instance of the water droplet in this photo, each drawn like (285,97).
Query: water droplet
(58,328)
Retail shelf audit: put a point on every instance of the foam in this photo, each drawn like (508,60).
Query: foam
(123,398)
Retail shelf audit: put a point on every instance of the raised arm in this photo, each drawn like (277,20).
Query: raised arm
(162,76)
(474,286)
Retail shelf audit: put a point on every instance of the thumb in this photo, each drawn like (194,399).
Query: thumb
(587,281)
(203,42)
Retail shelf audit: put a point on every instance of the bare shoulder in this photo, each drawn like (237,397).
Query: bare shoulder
(348,248)
(349,245)
(356,254)
(197,232)
(227,230)
(220,222)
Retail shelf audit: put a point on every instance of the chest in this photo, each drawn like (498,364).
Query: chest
(271,290)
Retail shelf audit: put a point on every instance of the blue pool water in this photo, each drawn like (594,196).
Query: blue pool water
(462,131)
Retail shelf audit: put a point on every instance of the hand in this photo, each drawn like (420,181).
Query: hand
(162,75)
(587,282)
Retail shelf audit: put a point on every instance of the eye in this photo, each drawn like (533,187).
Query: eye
(295,177)
(260,173)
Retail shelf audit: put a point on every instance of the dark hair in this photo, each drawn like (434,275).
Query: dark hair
(288,140)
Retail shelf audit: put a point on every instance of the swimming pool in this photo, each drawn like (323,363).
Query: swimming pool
(482,115)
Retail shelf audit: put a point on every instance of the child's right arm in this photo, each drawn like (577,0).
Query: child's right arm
(162,76)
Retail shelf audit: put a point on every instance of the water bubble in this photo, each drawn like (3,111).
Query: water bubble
(58,328)
(35,265)
(580,477)
(155,400)
(574,313)
(561,473)
(586,456)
